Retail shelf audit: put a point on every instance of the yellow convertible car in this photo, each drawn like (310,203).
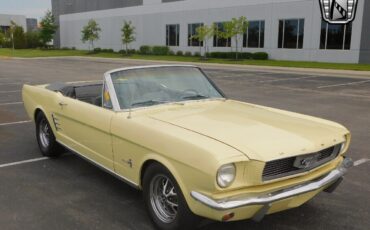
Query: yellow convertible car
(171,132)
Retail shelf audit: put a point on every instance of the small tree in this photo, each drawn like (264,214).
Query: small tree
(48,28)
(234,29)
(203,34)
(19,38)
(90,33)
(2,40)
(33,39)
(241,27)
(12,28)
(128,34)
(227,32)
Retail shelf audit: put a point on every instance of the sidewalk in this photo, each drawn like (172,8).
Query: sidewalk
(273,69)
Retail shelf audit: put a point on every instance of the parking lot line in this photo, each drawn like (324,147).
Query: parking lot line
(344,84)
(14,123)
(360,162)
(12,91)
(24,162)
(288,79)
(15,83)
(11,103)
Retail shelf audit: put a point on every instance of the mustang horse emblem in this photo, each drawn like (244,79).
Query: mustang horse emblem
(338,11)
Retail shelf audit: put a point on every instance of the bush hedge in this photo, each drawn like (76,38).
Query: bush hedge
(160,50)
(230,55)
(145,50)
(260,56)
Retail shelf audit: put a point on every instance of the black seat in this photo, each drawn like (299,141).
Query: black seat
(98,101)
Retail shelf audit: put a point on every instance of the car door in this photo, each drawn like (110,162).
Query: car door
(85,129)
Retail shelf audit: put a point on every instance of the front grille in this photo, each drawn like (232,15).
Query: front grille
(293,165)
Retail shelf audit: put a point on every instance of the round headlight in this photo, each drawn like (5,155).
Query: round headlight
(226,175)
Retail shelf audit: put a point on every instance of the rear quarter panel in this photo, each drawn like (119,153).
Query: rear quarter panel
(38,97)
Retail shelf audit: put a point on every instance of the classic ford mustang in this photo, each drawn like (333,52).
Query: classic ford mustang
(171,132)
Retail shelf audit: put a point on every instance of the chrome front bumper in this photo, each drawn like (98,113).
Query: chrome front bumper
(268,198)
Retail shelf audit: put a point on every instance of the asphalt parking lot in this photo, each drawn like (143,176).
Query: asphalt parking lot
(69,193)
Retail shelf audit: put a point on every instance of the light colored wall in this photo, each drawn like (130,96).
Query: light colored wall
(151,18)
(19,19)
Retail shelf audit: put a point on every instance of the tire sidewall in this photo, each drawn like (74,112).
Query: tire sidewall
(184,215)
(52,149)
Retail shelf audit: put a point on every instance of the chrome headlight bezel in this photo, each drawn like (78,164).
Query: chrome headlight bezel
(226,175)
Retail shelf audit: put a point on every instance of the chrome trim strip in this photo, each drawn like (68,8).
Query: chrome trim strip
(236,202)
(112,92)
(124,179)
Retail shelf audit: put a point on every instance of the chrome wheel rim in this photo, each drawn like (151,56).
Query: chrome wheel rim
(44,133)
(163,198)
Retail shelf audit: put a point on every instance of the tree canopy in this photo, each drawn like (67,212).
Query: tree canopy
(128,34)
(91,32)
(48,28)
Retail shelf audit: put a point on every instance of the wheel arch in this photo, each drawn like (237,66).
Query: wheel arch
(37,112)
(156,159)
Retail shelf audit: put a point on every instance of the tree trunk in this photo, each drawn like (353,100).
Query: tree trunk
(236,47)
(200,48)
(126,49)
(205,50)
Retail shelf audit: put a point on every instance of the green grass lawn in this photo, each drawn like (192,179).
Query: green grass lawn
(28,53)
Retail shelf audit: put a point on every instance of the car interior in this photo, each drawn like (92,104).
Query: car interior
(87,92)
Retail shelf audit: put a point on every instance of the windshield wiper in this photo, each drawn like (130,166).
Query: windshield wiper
(195,97)
(148,103)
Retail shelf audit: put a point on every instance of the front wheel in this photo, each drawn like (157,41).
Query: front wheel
(45,137)
(164,200)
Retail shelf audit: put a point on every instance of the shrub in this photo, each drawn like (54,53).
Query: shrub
(107,50)
(132,51)
(33,39)
(245,55)
(260,56)
(97,50)
(73,48)
(145,50)
(197,54)
(179,53)
(189,54)
(231,55)
(171,53)
(160,50)
(19,37)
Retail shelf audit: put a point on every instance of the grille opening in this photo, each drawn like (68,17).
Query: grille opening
(285,167)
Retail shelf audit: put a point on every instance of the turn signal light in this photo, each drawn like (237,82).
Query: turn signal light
(228,217)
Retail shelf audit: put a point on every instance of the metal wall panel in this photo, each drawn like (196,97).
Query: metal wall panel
(60,7)
(365,37)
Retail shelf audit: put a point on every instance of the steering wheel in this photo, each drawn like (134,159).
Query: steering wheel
(193,91)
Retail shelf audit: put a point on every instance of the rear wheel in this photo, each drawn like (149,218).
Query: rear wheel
(45,137)
(164,200)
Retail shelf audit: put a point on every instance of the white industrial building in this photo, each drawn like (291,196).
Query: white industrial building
(5,21)
(285,29)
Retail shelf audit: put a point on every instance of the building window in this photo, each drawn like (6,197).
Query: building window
(291,33)
(173,35)
(336,37)
(218,41)
(255,35)
(4,29)
(192,30)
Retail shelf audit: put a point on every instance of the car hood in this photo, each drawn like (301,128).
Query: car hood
(261,133)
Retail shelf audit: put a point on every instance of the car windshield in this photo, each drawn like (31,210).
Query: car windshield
(159,85)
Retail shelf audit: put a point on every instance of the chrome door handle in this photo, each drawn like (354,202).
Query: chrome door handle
(62,104)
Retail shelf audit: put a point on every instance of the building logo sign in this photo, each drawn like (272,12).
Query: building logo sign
(338,11)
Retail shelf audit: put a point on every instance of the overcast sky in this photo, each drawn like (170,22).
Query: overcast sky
(29,8)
